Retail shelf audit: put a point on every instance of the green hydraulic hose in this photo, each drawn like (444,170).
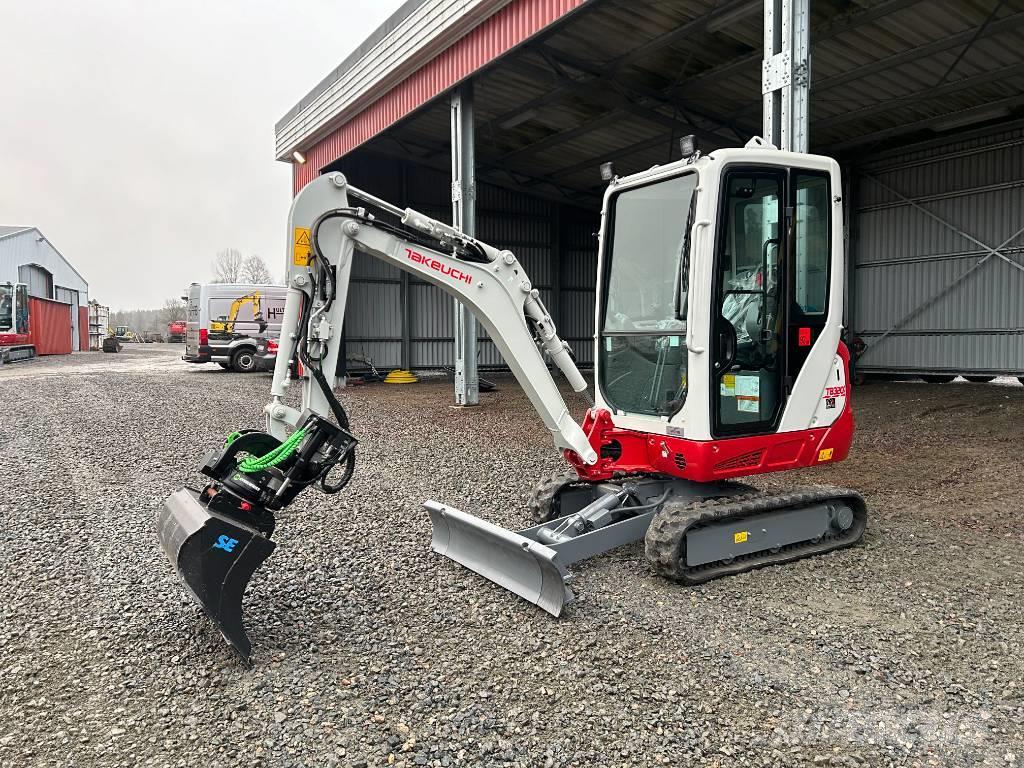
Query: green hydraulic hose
(251,464)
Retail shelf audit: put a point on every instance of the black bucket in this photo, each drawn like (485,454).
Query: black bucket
(215,556)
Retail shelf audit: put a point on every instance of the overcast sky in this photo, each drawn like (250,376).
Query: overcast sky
(139,135)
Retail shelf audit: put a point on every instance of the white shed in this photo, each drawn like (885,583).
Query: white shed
(26,256)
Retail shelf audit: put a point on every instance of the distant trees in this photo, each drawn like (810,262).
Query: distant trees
(255,270)
(139,320)
(229,266)
(174,310)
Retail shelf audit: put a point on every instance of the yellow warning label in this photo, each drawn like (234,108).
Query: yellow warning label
(740,537)
(825,454)
(728,385)
(300,247)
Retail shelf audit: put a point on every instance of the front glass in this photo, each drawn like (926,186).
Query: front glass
(6,308)
(646,274)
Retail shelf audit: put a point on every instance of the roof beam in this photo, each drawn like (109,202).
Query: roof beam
(980,110)
(903,57)
(922,51)
(665,97)
(567,86)
(488,172)
(834,28)
(561,137)
(657,141)
(604,92)
(920,96)
(725,11)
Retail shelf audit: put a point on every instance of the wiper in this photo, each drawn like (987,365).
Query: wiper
(683,275)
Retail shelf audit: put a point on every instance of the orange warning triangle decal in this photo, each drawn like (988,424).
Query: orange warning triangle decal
(301,236)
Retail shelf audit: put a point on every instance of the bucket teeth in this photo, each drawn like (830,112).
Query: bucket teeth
(215,556)
(517,563)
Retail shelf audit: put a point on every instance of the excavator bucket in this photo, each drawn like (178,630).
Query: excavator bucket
(214,556)
(516,562)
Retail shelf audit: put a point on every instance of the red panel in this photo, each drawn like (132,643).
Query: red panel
(83,329)
(506,29)
(49,326)
(633,452)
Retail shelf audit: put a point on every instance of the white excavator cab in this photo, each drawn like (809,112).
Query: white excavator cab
(720,299)
(718,355)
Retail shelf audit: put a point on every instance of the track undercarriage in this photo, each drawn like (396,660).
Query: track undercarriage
(693,532)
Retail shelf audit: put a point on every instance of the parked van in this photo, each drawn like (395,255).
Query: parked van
(225,322)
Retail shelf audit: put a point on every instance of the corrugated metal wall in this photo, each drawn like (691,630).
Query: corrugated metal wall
(380,297)
(49,324)
(929,295)
(29,248)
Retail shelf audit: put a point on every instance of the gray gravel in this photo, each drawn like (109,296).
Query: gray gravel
(371,651)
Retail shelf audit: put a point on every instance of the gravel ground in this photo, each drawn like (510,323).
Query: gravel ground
(371,651)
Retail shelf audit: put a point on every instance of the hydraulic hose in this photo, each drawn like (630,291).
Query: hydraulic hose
(251,464)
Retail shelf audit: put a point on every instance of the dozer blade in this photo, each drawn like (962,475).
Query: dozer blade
(519,564)
(214,556)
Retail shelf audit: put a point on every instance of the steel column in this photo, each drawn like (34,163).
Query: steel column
(405,357)
(467,382)
(786,73)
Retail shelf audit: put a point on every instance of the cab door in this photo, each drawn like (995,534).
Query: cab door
(770,297)
(748,310)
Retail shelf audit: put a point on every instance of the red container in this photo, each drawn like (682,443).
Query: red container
(83,329)
(49,326)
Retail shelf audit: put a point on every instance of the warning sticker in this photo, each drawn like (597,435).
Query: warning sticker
(300,247)
(729,385)
(825,454)
(740,537)
(748,394)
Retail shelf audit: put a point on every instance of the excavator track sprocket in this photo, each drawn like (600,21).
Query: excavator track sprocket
(742,518)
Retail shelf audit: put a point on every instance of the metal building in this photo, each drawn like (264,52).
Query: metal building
(921,101)
(26,256)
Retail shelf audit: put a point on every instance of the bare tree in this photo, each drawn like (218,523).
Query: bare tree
(227,267)
(254,270)
(174,310)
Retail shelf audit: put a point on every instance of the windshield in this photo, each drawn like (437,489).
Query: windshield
(646,264)
(6,307)
(649,236)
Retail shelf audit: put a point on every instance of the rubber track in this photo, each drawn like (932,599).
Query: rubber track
(665,540)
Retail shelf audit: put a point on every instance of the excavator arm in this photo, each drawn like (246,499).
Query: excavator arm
(491,282)
(218,536)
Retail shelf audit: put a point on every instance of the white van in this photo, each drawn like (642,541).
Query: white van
(225,322)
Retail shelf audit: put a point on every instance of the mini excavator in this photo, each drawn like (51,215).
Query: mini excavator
(717,356)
